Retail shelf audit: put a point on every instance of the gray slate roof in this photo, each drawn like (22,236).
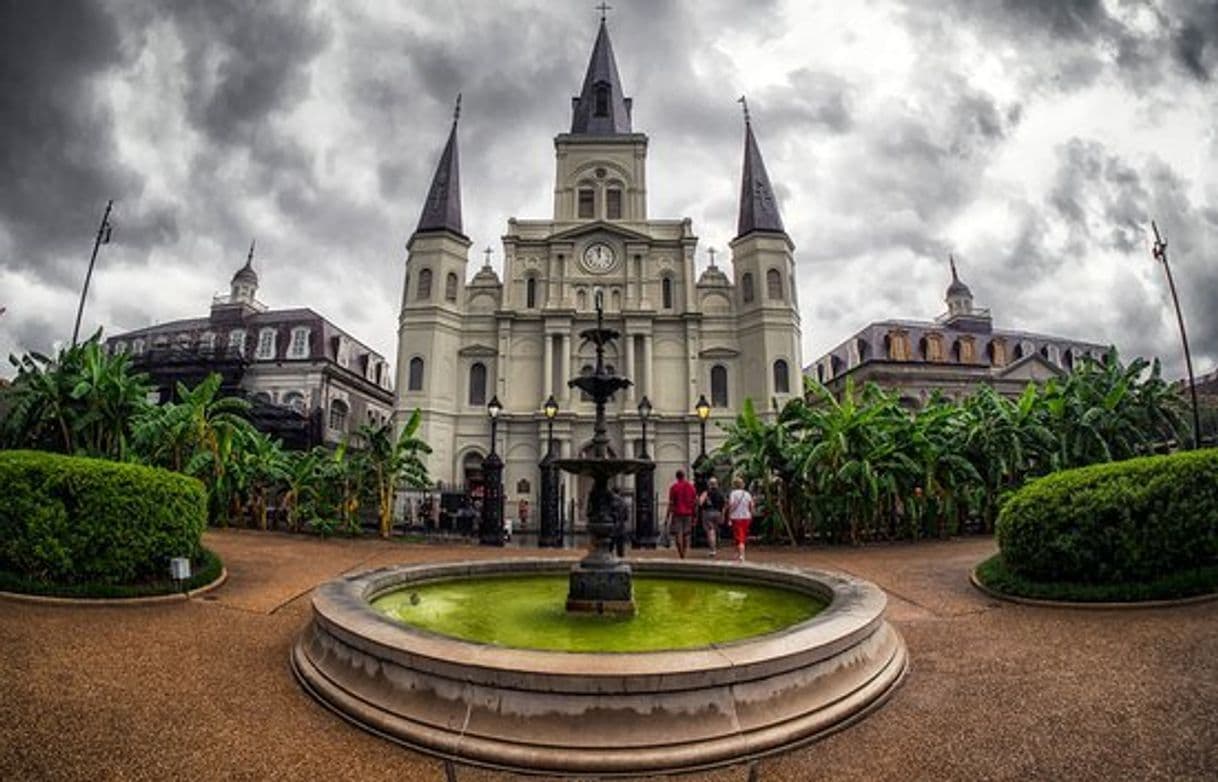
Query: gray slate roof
(442,210)
(602,69)
(758,206)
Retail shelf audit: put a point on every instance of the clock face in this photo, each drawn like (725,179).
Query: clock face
(598,258)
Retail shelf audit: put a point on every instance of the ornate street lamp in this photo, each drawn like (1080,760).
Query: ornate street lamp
(491,532)
(645,533)
(549,535)
(703,409)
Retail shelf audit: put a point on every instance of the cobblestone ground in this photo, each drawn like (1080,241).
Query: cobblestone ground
(203,690)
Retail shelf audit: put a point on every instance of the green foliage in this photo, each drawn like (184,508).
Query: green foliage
(206,567)
(863,467)
(69,519)
(997,576)
(81,402)
(1132,521)
(393,461)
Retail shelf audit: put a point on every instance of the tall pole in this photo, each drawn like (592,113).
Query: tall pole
(1160,254)
(103,235)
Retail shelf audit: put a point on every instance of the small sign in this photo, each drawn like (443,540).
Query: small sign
(522,486)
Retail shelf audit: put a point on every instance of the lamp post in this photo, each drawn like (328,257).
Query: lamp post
(701,466)
(1159,252)
(549,534)
(103,237)
(491,532)
(703,409)
(645,534)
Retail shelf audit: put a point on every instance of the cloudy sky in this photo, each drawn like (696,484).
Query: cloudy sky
(1034,140)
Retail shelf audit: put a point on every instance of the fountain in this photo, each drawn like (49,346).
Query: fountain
(600,582)
(708,664)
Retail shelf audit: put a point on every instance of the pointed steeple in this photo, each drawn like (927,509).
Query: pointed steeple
(601,109)
(758,207)
(442,210)
(246,272)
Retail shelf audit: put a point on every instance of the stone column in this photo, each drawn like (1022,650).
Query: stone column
(564,356)
(547,369)
(628,370)
(647,365)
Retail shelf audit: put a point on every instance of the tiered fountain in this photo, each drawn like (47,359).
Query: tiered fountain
(676,666)
(600,582)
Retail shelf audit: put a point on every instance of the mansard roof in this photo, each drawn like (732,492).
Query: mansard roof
(601,108)
(442,209)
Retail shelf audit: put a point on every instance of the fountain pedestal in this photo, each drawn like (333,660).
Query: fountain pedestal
(595,590)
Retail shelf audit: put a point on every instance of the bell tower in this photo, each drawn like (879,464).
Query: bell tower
(601,163)
(433,296)
(764,270)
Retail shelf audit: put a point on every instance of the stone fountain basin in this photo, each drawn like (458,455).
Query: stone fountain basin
(607,714)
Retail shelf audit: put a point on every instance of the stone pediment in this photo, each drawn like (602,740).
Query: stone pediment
(718,352)
(600,226)
(477,350)
(1033,367)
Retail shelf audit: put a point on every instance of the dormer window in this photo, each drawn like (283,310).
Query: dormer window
(587,202)
(266,344)
(299,347)
(601,109)
(236,342)
(207,342)
(613,203)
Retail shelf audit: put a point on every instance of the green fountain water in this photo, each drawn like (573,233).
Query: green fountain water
(528,612)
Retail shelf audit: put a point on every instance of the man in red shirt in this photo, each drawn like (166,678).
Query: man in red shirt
(680,515)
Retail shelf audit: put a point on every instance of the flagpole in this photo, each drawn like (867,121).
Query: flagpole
(103,234)
(1160,254)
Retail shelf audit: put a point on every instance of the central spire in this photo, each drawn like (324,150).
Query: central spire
(442,210)
(601,109)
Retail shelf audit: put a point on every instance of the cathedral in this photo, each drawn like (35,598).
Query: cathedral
(724,335)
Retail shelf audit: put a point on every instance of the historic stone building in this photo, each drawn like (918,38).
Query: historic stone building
(462,341)
(310,381)
(953,354)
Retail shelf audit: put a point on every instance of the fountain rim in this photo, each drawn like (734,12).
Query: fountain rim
(855,609)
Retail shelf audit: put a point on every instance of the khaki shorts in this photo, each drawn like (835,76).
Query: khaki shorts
(711,519)
(680,525)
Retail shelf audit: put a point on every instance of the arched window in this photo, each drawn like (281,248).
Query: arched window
(613,203)
(263,396)
(1018,352)
(450,287)
(477,384)
(266,343)
(587,202)
(295,400)
(666,292)
(236,342)
(1068,359)
(718,386)
(863,346)
(137,347)
(424,292)
(338,415)
(820,373)
(299,348)
(773,284)
(601,109)
(414,381)
(957,351)
(207,342)
(581,299)
(530,292)
(782,377)
(746,287)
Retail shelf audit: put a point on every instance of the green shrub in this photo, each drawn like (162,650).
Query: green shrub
(206,568)
(1122,522)
(67,519)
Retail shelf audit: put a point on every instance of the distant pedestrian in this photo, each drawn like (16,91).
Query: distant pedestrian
(711,502)
(740,513)
(681,501)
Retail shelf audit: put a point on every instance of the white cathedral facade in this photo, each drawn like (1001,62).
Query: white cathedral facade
(462,341)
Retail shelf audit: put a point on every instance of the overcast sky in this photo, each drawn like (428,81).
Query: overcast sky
(1034,140)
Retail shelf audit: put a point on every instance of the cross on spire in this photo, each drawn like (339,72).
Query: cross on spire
(711,252)
(604,8)
(487,252)
(457,109)
(745,104)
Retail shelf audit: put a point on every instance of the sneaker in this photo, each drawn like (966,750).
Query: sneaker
(712,554)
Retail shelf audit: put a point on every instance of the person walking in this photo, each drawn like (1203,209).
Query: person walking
(680,514)
(740,514)
(711,502)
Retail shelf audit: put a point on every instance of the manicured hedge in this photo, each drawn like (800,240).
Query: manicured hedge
(67,519)
(1133,521)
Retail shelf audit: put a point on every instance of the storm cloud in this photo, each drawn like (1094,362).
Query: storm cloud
(1034,140)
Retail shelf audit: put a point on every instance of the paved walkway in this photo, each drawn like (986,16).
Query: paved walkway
(202,690)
